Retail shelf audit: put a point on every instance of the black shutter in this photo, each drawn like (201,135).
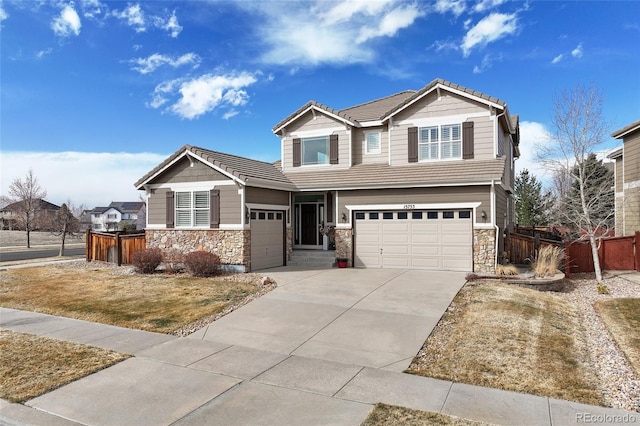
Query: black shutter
(296,153)
(329,207)
(413,144)
(333,149)
(170,214)
(467,140)
(214,208)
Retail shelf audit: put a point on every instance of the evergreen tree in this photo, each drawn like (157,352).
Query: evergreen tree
(532,206)
(598,192)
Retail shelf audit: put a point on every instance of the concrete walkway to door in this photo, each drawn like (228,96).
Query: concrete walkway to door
(369,317)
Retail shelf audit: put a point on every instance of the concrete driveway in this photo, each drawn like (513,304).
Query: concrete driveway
(367,317)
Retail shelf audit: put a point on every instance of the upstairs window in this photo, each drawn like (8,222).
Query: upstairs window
(315,150)
(373,142)
(440,142)
(192,209)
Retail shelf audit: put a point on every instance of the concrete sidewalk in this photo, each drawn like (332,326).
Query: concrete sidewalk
(193,381)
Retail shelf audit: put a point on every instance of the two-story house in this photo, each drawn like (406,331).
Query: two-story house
(116,216)
(627,179)
(419,179)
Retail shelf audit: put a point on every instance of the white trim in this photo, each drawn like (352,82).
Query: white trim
(366,142)
(389,129)
(230,227)
(243,219)
(631,185)
(311,108)
(258,206)
(625,133)
(372,123)
(449,89)
(392,186)
(194,186)
(444,119)
(154,226)
(325,131)
(421,206)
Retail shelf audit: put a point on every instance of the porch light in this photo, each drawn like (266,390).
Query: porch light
(344,217)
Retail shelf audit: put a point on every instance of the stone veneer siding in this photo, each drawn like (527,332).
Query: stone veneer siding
(344,244)
(232,247)
(484,250)
(289,243)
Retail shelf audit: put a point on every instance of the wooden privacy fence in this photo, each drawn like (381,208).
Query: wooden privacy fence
(615,254)
(114,247)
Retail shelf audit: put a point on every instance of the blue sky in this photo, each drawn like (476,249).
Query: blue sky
(96,93)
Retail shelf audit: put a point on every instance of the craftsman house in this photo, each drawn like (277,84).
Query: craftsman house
(419,179)
(627,180)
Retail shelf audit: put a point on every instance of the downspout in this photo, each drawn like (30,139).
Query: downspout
(389,127)
(496,137)
(495,223)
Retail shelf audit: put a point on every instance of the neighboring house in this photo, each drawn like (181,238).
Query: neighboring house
(419,179)
(627,175)
(116,216)
(44,214)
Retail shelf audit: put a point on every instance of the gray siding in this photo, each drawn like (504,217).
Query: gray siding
(360,155)
(230,206)
(447,105)
(266,196)
(502,204)
(182,171)
(464,194)
(631,158)
(157,207)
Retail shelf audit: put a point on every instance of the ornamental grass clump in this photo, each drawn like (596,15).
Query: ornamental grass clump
(506,270)
(548,261)
(202,263)
(147,260)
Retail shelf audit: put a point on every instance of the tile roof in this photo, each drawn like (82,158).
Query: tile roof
(419,174)
(383,108)
(241,168)
(626,129)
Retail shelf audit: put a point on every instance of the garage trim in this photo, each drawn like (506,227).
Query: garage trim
(409,207)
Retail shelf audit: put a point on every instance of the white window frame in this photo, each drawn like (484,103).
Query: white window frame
(367,148)
(439,142)
(303,149)
(190,211)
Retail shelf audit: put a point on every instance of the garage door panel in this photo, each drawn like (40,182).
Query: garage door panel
(421,243)
(267,241)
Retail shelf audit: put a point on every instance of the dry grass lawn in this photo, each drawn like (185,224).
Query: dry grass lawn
(157,302)
(31,365)
(622,319)
(502,336)
(391,415)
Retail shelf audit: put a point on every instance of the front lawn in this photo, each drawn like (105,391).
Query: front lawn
(503,336)
(95,292)
(622,318)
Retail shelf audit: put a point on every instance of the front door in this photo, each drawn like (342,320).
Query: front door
(309,225)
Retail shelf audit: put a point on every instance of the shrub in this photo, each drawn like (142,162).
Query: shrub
(548,261)
(506,270)
(603,289)
(173,260)
(146,261)
(202,263)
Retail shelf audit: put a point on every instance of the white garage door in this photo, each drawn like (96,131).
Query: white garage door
(267,239)
(438,240)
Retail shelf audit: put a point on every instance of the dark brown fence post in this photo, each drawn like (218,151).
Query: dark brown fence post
(119,248)
(87,244)
(567,261)
(636,247)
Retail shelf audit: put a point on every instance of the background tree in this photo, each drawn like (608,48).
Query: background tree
(578,128)
(532,206)
(27,194)
(66,223)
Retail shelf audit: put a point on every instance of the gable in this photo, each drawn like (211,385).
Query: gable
(310,122)
(186,170)
(446,104)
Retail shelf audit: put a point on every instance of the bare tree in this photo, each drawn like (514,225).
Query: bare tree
(66,222)
(578,128)
(27,194)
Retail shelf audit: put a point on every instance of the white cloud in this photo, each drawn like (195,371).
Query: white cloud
(42,53)
(577,52)
(390,24)
(557,59)
(232,113)
(169,24)
(92,8)
(203,94)
(67,23)
(457,7)
(487,63)
(153,62)
(532,136)
(3,14)
(89,178)
(485,5)
(490,28)
(134,17)
(440,45)
(305,33)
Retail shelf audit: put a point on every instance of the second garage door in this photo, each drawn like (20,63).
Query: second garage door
(437,240)
(267,239)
